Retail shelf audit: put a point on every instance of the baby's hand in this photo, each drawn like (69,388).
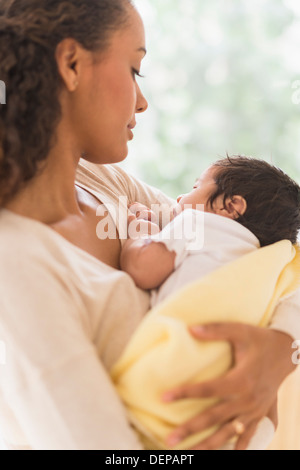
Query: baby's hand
(139,227)
(143,212)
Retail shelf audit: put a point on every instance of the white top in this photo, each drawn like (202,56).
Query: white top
(65,318)
(203,242)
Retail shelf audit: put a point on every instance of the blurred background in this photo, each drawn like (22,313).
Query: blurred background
(219,77)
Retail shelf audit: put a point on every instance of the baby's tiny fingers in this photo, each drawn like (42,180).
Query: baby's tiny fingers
(130,217)
(147,214)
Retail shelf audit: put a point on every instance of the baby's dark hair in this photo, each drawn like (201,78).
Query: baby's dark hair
(273,198)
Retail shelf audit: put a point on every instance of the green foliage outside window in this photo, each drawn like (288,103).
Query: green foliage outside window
(220,76)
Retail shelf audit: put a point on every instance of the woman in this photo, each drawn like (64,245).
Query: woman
(66,310)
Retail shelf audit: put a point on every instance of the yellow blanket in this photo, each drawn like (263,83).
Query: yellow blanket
(162,354)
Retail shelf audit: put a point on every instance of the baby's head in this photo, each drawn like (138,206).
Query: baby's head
(254,193)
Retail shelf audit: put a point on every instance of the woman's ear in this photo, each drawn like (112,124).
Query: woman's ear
(68,53)
(233,207)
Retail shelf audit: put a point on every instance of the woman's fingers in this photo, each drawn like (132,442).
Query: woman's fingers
(249,388)
(223,416)
(244,440)
(225,387)
(214,416)
(218,439)
(200,390)
(232,332)
(221,437)
(234,382)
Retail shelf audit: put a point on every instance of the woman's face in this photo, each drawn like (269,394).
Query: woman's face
(108,96)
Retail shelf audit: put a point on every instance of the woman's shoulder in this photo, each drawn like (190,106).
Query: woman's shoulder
(114,180)
(103,177)
(17,232)
(24,244)
(30,248)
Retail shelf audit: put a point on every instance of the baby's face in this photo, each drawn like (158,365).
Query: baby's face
(200,194)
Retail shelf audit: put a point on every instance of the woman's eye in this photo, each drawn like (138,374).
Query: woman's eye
(136,73)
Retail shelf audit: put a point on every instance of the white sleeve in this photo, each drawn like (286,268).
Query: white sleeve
(286,317)
(143,192)
(53,380)
(184,234)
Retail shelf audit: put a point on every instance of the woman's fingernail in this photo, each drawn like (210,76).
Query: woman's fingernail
(198,329)
(173,440)
(168,396)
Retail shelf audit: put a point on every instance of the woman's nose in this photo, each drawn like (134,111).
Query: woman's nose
(141,102)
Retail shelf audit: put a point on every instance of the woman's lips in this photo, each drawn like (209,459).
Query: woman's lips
(130,127)
(130,133)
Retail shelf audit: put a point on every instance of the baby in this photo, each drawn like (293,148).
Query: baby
(237,205)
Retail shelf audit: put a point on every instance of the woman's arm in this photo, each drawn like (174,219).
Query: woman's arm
(54,382)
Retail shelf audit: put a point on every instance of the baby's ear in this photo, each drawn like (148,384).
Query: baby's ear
(233,208)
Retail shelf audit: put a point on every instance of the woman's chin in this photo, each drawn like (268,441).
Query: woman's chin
(117,157)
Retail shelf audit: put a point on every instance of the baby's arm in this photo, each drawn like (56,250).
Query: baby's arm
(148,263)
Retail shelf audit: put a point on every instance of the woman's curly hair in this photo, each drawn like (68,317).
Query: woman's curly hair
(30,31)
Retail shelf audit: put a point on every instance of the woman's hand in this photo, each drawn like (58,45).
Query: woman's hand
(247,393)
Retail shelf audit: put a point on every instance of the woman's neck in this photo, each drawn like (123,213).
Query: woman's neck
(51,195)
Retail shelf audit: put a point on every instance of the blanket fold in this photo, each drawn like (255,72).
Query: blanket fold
(162,354)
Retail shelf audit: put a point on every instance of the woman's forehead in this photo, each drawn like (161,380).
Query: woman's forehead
(135,29)
(129,39)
